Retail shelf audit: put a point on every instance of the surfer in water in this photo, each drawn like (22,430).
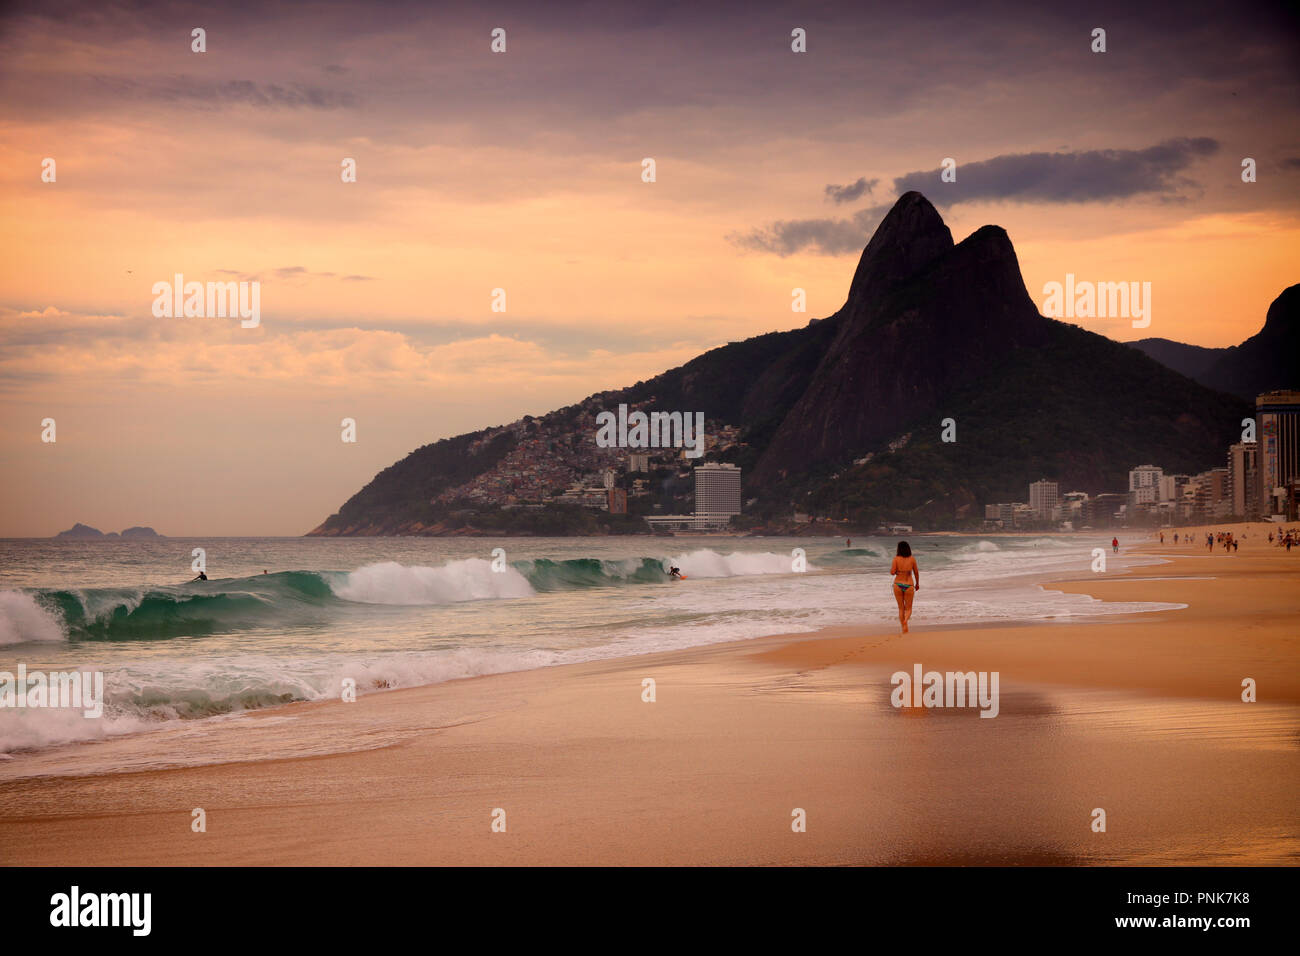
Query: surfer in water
(203,576)
(675,573)
(907,581)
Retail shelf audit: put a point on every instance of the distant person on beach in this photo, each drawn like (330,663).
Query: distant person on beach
(1175,537)
(1114,545)
(1162,537)
(848,542)
(907,581)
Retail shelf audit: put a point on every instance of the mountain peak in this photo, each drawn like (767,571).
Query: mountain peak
(924,316)
(910,237)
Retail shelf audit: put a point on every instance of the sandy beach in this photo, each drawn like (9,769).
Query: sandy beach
(1140,715)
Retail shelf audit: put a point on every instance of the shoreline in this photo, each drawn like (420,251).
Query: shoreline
(606,652)
(834,632)
(1115,713)
(831,631)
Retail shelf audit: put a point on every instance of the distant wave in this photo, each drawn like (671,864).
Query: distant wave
(292,598)
(854,558)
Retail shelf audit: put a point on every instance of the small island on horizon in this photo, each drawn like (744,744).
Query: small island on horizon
(80,530)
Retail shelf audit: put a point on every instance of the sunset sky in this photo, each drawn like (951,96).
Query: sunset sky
(522,170)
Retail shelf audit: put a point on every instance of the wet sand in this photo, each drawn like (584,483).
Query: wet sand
(1139,715)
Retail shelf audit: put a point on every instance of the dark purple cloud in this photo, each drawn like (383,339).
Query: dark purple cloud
(1098,175)
(1087,176)
(827,237)
(852,192)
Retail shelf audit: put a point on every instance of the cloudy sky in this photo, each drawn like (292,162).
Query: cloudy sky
(522,170)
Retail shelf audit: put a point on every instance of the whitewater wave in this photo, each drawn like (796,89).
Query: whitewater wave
(710,564)
(470,580)
(24,621)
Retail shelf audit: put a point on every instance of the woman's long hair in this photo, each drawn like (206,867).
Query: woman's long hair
(904,549)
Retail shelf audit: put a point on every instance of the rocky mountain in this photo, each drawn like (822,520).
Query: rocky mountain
(1268,360)
(846,416)
(923,318)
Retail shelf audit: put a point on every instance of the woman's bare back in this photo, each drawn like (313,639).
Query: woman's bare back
(902,569)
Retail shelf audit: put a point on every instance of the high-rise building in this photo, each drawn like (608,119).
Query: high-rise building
(1105,510)
(1144,495)
(1211,495)
(1144,476)
(1044,496)
(1171,487)
(1143,488)
(717,489)
(1244,480)
(1277,415)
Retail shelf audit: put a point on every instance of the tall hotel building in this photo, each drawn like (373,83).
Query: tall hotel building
(717,489)
(1278,415)
(1044,496)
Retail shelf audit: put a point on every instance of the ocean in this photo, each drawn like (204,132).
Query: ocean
(289,619)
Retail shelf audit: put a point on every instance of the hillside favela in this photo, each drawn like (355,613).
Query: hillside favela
(461,460)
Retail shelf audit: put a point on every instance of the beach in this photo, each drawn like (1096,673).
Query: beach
(1140,715)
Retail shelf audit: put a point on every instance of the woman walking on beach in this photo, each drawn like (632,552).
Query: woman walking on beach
(907,581)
